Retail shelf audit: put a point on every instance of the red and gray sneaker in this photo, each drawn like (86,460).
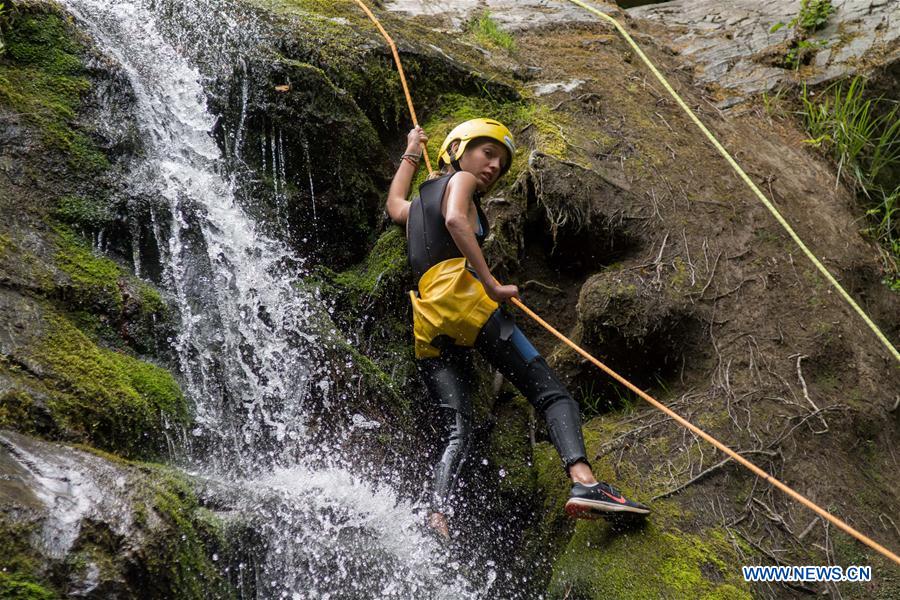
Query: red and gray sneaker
(601,500)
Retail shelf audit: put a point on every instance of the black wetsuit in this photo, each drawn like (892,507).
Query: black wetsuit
(449,376)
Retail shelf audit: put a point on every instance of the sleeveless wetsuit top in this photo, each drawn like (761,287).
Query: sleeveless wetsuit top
(429,240)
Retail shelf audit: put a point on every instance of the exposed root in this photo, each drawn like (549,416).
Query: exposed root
(543,285)
(706,472)
(800,357)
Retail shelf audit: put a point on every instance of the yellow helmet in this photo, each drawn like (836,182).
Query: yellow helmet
(470,130)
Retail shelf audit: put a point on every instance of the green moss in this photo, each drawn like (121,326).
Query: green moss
(82,212)
(5,243)
(18,563)
(485,30)
(12,588)
(374,378)
(510,450)
(545,125)
(151,301)
(112,400)
(94,279)
(15,409)
(179,563)
(43,79)
(386,264)
(648,563)
(654,560)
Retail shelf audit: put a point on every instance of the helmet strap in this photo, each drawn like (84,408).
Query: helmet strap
(454,161)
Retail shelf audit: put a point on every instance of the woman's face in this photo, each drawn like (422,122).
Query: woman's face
(485,161)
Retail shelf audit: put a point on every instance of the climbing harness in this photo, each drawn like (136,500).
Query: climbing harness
(652,401)
(747,180)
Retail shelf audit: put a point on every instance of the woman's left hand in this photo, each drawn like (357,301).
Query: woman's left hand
(501,293)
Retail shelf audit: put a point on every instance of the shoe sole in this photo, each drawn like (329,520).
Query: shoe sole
(582,508)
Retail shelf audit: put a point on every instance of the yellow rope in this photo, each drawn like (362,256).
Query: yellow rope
(748,181)
(655,403)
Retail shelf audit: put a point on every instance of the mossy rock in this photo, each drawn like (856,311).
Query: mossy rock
(648,563)
(372,307)
(94,279)
(103,300)
(109,398)
(13,588)
(57,382)
(20,565)
(179,563)
(43,78)
(510,453)
(147,537)
(380,278)
(655,559)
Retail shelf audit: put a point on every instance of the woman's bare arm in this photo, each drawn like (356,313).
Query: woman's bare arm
(397,206)
(456,216)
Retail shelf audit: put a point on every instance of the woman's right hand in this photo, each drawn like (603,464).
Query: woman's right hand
(414,140)
(502,293)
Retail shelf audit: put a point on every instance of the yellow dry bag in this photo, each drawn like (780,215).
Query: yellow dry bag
(451,302)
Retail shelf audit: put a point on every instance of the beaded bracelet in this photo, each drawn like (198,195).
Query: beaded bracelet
(412,159)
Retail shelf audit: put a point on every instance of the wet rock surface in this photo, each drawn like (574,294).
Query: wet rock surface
(97,527)
(511,14)
(731,44)
(619,224)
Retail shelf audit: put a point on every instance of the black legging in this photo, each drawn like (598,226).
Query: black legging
(448,379)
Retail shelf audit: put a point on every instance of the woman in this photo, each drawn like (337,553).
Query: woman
(457,308)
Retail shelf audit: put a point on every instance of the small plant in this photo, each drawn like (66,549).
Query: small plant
(863,135)
(885,218)
(486,32)
(772,103)
(797,52)
(812,17)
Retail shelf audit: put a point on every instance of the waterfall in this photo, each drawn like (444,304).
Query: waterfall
(247,353)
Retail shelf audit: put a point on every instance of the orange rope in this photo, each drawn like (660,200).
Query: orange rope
(409,102)
(731,453)
(653,402)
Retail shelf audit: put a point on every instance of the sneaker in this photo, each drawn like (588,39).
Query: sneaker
(601,500)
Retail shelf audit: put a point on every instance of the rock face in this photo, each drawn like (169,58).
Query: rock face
(511,14)
(98,528)
(731,44)
(620,224)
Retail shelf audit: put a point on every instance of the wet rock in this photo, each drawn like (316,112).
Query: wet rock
(510,14)
(87,526)
(731,44)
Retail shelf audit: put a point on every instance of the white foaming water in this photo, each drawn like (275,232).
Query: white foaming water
(245,348)
(393,558)
(73,487)
(241,344)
